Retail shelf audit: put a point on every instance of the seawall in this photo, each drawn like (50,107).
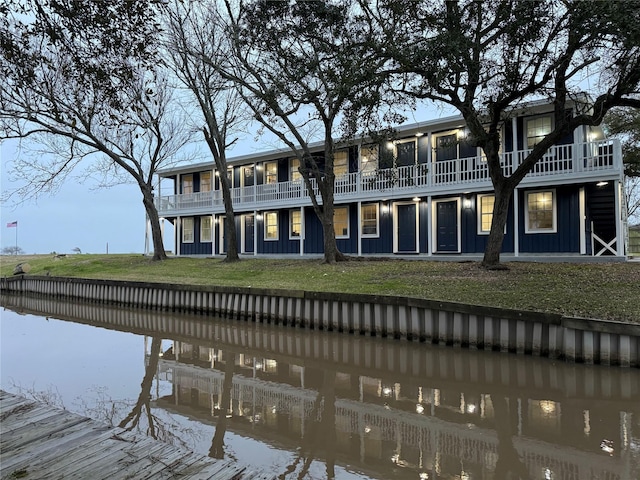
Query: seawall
(458,325)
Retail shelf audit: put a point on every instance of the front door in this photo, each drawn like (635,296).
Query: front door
(406,228)
(447,226)
(248,233)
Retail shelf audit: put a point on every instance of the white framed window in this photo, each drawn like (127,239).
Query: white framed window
(205,181)
(187,183)
(230,177)
(295,224)
(485,213)
(271,226)
(341,222)
(369,218)
(540,212)
(206,234)
(341,163)
(294,172)
(271,172)
(537,128)
(187,230)
(369,158)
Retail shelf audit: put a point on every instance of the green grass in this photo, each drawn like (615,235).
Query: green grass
(592,290)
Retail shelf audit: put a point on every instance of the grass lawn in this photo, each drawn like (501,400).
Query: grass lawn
(592,290)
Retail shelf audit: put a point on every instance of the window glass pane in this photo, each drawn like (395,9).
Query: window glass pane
(187,184)
(187,230)
(341,163)
(205,181)
(369,158)
(271,225)
(446,147)
(369,216)
(540,211)
(271,172)
(486,212)
(205,229)
(537,129)
(295,225)
(248,176)
(341,221)
(294,172)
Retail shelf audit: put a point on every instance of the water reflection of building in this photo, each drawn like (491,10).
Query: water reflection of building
(395,424)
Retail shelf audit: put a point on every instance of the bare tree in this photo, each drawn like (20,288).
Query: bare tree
(625,124)
(195,33)
(486,59)
(84,84)
(300,66)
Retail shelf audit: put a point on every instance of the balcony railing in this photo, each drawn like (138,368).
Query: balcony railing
(560,160)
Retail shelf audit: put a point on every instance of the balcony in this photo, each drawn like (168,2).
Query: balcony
(562,162)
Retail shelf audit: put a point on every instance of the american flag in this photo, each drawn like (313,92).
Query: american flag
(12,224)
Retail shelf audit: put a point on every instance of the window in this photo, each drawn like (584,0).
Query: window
(485,213)
(271,226)
(341,163)
(368,158)
(205,181)
(295,224)
(537,129)
(406,153)
(540,215)
(187,230)
(205,229)
(341,222)
(187,183)
(230,177)
(271,172)
(294,172)
(369,219)
(248,176)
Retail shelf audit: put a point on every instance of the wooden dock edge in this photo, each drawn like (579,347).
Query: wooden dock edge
(555,336)
(40,440)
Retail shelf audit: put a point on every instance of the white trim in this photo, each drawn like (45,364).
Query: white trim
(516,223)
(341,207)
(525,128)
(202,217)
(193,230)
(582,220)
(554,207)
(479,198)
(291,212)
(429,222)
(177,235)
(302,233)
(360,220)
(395,226)
(264,223)
(435,203)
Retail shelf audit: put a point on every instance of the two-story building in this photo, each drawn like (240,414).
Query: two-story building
(426,192)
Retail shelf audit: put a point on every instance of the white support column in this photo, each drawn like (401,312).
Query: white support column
(514,139)
(516,223)
(177,235)
(617,191)
(430,224)
(359,228)
(255,231)
(583,220)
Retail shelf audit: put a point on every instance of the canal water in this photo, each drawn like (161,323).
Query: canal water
(303,404)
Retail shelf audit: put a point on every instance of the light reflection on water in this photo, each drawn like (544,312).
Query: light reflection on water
(313,404)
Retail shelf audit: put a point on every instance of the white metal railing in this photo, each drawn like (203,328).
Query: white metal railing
(575,158)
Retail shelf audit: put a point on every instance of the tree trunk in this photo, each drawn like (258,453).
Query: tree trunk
(154,220)
(503,194)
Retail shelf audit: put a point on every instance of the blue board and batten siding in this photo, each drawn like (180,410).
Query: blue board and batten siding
(462,210)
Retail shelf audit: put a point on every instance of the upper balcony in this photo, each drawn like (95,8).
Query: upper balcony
(562,163)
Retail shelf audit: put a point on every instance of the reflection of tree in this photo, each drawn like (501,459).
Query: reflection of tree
(509,464)
(321,432)
(217,444)
(132,420)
